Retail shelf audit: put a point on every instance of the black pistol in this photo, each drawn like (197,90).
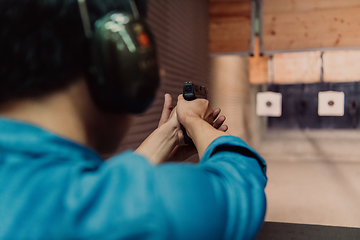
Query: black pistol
(191,92)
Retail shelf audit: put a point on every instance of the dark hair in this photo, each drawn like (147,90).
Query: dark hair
(43,45)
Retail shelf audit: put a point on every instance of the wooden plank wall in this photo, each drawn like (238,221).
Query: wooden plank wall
(304,67)
(341,66)
(308,24)
(291,26)
(229,26)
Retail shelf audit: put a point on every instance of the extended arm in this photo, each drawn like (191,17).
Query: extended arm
(221,198)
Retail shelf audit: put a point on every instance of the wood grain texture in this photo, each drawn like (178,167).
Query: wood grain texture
(303,67)
(310,24)
(280,6)
(229,26)
(259,66)
(341,66)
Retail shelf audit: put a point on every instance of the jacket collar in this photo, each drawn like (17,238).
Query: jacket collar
(26,138)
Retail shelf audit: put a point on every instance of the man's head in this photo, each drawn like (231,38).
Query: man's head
(43,45)
(43,51)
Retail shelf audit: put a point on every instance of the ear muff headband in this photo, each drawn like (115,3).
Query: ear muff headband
(85,18)
(123,72)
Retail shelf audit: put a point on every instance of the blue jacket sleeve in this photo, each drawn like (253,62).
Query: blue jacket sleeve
(220,198)
(49,197)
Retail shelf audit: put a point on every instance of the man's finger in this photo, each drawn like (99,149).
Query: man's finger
(223,128)
(217,124)
(216,112)
(168,107)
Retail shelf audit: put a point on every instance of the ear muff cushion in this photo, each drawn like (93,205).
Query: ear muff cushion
(123,74)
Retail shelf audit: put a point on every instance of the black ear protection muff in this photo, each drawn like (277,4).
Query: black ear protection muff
(123,72)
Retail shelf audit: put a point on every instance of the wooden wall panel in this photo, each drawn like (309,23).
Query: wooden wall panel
(341,66)
(280,6)
(230,26)
(303,67)
(259,66)
(310,24)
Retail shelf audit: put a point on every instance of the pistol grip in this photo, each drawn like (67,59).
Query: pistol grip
(187,139)
(192,92)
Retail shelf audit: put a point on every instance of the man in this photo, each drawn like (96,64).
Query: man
(53,183)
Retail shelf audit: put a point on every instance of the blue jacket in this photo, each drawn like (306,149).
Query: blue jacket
(52,188)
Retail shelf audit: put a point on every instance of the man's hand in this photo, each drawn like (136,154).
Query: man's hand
(198,119)
(196,111)
(168,110)
(163,144)
(181,153)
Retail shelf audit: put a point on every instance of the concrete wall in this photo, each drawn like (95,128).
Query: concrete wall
(232,92)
